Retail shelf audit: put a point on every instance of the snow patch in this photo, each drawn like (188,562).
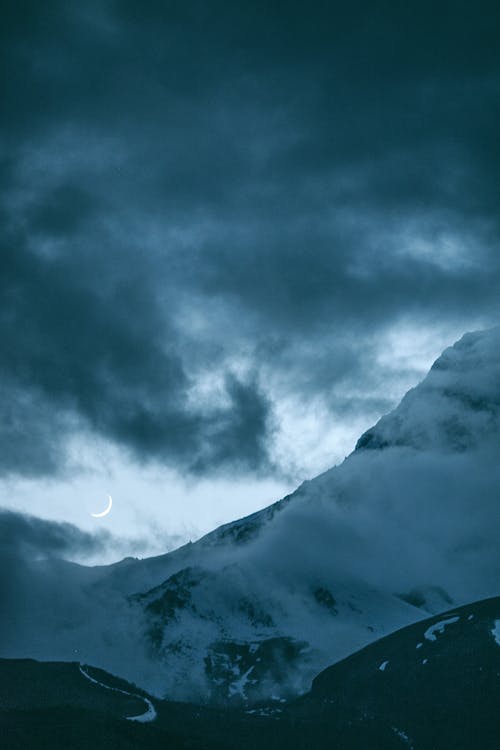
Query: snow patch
(148,715)
(267,712)
(402,735)
(439,627)
(495,632)
(383,666)
(238,687)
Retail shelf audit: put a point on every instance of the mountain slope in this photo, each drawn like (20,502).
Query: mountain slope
(26,684)
(455,408)
(408,524)
(435,684)
(54,705)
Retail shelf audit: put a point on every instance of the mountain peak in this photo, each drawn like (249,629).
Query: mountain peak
(455,408)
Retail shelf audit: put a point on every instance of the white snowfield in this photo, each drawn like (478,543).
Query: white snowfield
(383,666)
(439,627)
(148,715)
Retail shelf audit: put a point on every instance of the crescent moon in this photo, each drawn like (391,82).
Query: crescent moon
(106,511)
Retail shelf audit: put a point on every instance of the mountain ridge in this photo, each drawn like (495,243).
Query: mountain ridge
(403,527)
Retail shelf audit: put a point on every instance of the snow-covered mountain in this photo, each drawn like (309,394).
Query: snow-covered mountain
(408,525)
(456,408)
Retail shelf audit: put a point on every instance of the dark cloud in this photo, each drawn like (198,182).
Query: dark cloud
(31,537)
(108,357)
(234,193)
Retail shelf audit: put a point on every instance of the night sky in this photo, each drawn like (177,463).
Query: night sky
(232,236)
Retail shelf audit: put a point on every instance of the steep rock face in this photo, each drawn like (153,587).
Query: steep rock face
(408,524)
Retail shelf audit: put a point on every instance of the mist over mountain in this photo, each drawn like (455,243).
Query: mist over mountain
(407,525)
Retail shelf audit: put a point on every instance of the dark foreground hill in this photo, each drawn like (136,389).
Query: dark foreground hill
(434,685)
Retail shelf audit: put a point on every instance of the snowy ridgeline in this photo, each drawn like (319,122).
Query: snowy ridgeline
(408,525)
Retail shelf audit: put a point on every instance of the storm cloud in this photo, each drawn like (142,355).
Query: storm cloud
(32,537)
(208,207)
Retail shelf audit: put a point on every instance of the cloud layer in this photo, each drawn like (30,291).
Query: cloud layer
(207,209)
